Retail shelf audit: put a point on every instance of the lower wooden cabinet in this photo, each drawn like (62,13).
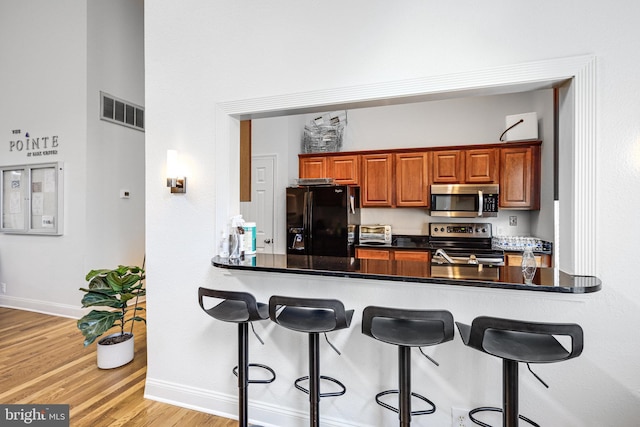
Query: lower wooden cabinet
(515,260)
(407,262)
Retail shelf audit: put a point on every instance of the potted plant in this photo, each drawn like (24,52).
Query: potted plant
(118,289)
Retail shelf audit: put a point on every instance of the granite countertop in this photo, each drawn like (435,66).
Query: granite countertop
(503,277)
(401,241)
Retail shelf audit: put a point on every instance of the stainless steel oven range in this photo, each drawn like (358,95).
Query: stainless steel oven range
(463,243)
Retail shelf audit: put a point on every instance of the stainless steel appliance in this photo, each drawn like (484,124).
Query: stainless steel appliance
(464,200)
(375,234)
(322,220)
(460,243)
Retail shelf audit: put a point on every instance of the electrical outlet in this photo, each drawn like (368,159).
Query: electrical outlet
(460,418)
(513,221)
(4,287)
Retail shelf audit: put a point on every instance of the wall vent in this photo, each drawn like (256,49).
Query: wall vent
(119,111)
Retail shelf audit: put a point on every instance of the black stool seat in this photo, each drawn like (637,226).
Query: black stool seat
(517,341)
(405,329)
(241,308)
(238,311)
(312,316)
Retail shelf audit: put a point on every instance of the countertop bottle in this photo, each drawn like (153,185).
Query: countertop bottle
(529,265)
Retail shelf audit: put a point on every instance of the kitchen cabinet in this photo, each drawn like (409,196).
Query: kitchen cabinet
(411,179)
(377,180)
(408,262)
(345,170)
(515,260)
(312,167)
(520,177)
(473,166)
(481,166)
(374,261)
(448,167)
(402,177)
(412,263)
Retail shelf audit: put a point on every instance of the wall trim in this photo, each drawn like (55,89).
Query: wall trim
(44,307)
(579,70)
(226,405)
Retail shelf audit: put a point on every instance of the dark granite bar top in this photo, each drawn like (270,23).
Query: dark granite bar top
(411,271)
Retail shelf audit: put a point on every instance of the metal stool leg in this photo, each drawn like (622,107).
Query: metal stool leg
(243,373)
(314,379)
(509,393)
(404,372)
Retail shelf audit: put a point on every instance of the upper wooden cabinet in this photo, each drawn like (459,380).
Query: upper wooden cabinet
(448,167)
(402,177)
(520,177)
(473,166)
(481,166)
(344,169)
(312,167)
(377,180)
(411,179)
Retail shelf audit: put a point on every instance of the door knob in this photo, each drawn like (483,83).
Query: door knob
(267,241)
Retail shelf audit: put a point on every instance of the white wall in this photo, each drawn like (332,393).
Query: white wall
(43,83)
(58,56)
(115,154)
(200,56)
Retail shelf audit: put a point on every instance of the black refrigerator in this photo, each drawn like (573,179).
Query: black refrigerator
(322,220)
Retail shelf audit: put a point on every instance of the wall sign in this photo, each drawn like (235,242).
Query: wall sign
(33,145)
(31,199)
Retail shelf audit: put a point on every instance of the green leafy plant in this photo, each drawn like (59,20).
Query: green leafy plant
(114,289)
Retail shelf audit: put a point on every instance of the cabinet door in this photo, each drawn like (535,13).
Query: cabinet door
(377,180)
(312,167)
(412,263)
(375,261)
(520,177)
(364,253)
(481,166)
(412,184)
(515,260)
(344,169)
(448,167)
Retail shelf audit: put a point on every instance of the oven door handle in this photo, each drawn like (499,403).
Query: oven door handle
(480,202)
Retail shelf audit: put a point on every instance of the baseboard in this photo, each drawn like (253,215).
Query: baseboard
(45,307)
(225,405)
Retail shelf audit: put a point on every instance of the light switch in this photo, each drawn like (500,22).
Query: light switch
(124,194)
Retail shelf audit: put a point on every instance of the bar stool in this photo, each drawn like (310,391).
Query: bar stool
(240,308)
(517,341)
(312,316)
(406,329)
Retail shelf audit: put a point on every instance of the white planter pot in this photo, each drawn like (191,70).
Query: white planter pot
(114,355)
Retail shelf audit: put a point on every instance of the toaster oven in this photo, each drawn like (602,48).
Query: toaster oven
(375,234)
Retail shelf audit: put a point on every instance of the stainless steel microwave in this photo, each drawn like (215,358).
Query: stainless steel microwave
(464,200)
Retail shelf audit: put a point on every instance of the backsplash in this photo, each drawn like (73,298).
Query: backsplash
(416,221)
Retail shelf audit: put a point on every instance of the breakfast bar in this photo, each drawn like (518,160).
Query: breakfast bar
(482,276)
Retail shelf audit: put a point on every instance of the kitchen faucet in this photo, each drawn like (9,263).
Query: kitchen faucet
(444,255)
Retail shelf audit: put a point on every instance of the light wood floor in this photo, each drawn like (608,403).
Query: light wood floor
(43,361)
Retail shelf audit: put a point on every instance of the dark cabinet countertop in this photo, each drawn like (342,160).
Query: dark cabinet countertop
(503,277)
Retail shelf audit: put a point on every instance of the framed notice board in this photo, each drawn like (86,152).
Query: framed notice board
(31,199)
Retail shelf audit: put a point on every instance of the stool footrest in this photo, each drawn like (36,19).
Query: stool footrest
(397,411)
(322,377)
(257,365)
(493,409)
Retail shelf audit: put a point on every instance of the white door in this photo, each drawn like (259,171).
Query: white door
(262,202)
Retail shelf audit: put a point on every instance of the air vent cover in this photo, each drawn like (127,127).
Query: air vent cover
(119,111)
